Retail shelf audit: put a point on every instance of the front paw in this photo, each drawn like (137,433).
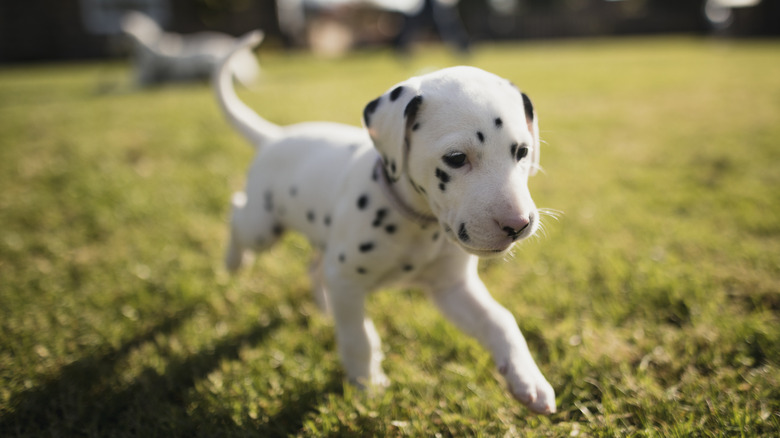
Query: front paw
(528,386)
(376,380)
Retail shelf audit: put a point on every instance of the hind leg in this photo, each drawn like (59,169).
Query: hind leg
(251,229)
(318,283)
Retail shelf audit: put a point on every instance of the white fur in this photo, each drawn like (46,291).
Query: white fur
(161,56)
(320,180)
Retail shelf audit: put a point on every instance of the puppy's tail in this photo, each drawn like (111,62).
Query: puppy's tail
(253,127)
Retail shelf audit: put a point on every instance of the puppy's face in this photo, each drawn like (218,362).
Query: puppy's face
(469,141)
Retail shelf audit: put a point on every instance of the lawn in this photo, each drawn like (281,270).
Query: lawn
(652,305)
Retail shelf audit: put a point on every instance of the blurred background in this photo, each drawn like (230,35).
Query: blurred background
(42,30)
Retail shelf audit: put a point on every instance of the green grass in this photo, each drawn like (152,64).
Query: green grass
(652,305)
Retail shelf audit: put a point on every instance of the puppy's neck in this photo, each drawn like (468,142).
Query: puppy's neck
(407,200)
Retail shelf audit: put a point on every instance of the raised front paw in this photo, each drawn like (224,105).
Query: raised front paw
(528,385)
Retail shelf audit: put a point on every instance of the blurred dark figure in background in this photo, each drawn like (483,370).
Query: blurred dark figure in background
(440,14)
(720,13)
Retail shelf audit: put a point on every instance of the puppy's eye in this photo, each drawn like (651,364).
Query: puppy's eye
(521,153)
(454,159)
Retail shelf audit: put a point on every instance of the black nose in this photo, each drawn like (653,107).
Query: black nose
(515,233)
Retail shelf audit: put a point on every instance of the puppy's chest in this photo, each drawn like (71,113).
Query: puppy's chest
(346,215)
(373,241)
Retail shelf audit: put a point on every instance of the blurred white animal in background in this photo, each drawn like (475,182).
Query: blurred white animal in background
(161,56)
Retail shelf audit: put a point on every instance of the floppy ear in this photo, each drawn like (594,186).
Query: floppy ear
(533,128)
(388,119)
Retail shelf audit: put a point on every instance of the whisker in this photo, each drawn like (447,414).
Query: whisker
(542,227)
(550,212)
(542,231)
(510,255)
(537,167)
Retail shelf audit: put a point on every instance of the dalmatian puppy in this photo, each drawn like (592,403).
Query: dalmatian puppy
(437,179)
(161,56)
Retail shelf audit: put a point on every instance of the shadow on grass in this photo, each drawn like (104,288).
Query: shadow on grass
(87,398)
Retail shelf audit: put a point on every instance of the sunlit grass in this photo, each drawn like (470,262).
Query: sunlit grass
(650,299)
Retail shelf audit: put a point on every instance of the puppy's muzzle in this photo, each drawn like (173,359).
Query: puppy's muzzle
(515,228)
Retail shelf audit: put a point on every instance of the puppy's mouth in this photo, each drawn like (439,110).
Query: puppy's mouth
(475,242)
(487,253)
(466,243)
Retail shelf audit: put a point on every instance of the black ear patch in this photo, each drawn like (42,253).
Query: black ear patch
(529,107)
(396,93)
(369,109)
(410,112)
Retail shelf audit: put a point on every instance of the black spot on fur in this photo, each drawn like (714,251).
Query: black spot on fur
(362,202)
(481,137)
(390,229)
(513,150)
(408,268)
(369,109)
(342,258)
(435,236)
(442,187)
(463,235)
(366,246)
(277,230)
(380,216)
(326,220)
(375,174)
(415,127)
(396,93)
(392,167)
(410,112)
(361,270)
(442,175)
(499,122)
(310,216)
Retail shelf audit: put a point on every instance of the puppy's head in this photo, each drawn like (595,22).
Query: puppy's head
(466,140)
